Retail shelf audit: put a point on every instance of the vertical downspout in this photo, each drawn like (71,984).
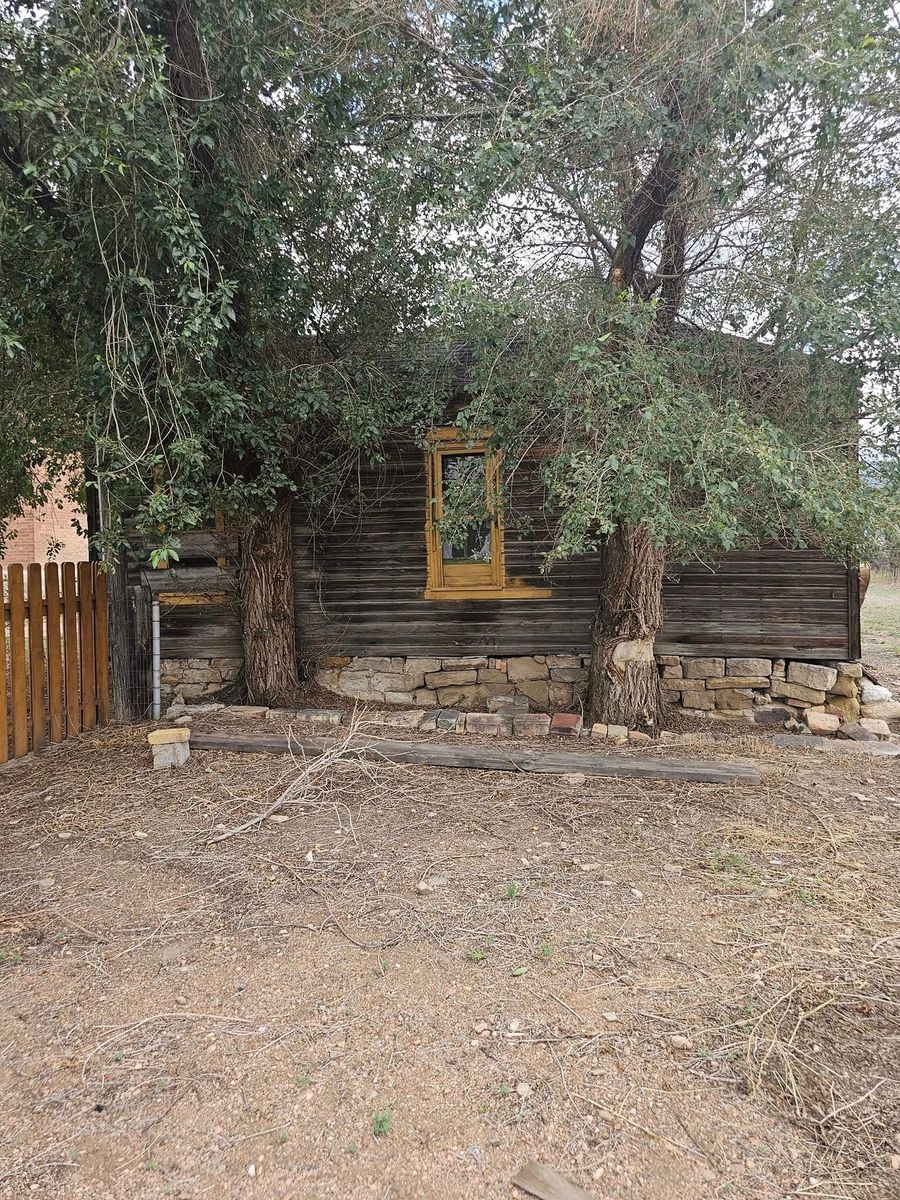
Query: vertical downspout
(154,659)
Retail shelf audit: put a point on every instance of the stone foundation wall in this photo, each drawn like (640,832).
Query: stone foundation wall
(731,688)
(726,688)
(470,683)
(196,678)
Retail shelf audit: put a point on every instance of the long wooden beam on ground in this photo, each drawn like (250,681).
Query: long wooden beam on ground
(485,758)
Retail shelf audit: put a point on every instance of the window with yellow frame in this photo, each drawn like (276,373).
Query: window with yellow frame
(465,548)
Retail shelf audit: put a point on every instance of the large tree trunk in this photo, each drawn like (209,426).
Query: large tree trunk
(267,608)
(623,686)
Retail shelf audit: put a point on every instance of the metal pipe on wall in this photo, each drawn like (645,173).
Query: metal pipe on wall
(155,670)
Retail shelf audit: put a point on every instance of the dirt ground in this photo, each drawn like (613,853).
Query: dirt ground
(408,983)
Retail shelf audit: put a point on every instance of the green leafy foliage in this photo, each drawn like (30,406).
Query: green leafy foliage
(210,228)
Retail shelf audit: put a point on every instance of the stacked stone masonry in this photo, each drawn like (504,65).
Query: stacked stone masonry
(761,688)
(194,679)
(724,688)
(470,682)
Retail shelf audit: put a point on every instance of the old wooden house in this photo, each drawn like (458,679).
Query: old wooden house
(388,612)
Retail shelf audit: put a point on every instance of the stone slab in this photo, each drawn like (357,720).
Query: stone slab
(739,681)
(248,710)
(820,722)
(448,720)
(519,670)
(171,736)
(886,710)
(874,725)
(856,733)
(703,668)
(797,691)
(809,741)
(812,675)
(749,666)
(777,714)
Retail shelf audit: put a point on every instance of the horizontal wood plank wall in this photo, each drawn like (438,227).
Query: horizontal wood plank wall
(359,589)
(54,677)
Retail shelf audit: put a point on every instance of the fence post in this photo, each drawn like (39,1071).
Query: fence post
(4,721)
(36,656)
(54,655)
(88,646)
(101,626)
(17,669)
(70,650)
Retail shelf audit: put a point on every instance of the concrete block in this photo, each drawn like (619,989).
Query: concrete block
(531,725)
(616,733)
(486,724)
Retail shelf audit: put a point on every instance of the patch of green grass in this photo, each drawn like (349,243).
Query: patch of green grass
(382,1122)
(547,950)
(880,613)
(304,1080)
(475,954)
(10,958)
(512,891)
(737,868)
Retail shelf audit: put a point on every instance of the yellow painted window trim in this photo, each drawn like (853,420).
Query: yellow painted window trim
(468,581)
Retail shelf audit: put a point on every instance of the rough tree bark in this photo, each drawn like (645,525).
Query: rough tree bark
(623,687)
(266,585)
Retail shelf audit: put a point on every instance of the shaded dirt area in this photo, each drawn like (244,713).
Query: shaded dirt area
(420,980)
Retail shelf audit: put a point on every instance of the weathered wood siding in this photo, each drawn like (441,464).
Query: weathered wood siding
(360,589)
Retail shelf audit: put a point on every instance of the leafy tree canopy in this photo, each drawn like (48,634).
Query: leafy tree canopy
(213,216)
(669,184)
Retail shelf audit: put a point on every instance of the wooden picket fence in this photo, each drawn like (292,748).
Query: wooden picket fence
(54,654)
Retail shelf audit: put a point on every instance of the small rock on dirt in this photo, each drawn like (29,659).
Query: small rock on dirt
(679,1042)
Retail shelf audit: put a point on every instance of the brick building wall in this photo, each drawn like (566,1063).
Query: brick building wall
(46,534)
